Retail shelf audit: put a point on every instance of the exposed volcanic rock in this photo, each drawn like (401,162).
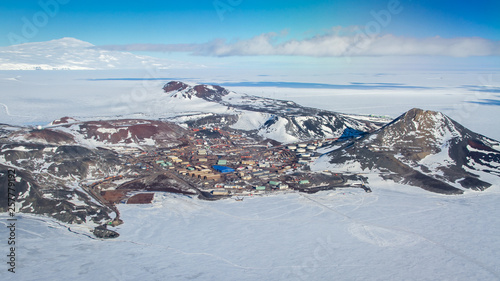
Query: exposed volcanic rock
(49,136)
(323,126)
(81,162)
(103,232)
(210,92)
(425,149)
(141,198)
(126,131)
(49,176)
(215,120)
(6,130)
(60,203)
(64,120)
(64,162)
(165,183)
(174,86)
(114,196)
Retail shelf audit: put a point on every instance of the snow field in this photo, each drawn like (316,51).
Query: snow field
(394,233)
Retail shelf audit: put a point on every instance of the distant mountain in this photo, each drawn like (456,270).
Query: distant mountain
(425,149)
(74,54)
(283,121)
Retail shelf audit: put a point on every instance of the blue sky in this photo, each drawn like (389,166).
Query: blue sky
(242,28)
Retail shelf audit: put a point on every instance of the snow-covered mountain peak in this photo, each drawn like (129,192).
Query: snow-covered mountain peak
(426,120)
(65,42)
(72,54)
(427,129)
(426,149)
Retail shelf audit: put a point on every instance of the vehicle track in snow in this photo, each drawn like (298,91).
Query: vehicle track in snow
(7,111)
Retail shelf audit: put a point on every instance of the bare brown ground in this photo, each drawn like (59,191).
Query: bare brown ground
(141,198)
(114,196)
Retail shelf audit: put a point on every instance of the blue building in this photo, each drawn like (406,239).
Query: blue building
(223,169)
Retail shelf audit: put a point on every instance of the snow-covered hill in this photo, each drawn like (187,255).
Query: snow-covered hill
(104,133)
(425,149)
(53,162)
(73,54)
(48,178)
(283,121)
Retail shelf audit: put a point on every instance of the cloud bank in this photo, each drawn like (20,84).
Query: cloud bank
(333,44)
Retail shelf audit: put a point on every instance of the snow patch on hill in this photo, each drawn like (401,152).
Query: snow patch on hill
(250,121)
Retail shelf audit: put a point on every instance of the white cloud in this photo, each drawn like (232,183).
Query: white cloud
(336,43)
